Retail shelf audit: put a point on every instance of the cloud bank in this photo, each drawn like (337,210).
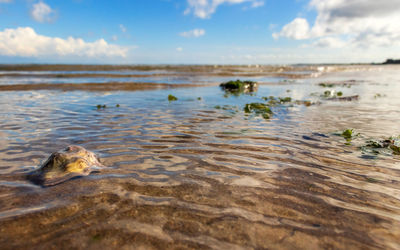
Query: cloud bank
(355,23)
(205,8)
(25,42)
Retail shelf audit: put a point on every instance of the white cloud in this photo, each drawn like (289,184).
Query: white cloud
(25,42)
(6,1)
(257,4)
(193,33)
(122,28)
(297,29)
(362,23)
(114,38)
(205,8)
(179,49)
(42,12)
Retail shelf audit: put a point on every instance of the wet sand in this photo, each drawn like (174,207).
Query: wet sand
(189,175)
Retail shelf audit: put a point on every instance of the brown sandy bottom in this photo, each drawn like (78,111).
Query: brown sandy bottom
(178,191)
(185,175)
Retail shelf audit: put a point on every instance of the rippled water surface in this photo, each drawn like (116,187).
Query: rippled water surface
(201,173)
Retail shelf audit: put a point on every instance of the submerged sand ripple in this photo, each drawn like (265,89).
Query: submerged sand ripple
(186,175)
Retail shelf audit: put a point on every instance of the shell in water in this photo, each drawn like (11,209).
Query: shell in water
(65,164)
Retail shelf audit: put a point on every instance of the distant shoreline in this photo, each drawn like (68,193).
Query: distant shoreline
(111,86)
(164,67)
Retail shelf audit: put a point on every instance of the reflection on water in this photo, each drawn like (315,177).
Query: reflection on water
(185,174)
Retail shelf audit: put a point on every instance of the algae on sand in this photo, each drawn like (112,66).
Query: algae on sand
(99,106)
(172,98)
(239,87)
(393,143)
(258,109)
(348,134)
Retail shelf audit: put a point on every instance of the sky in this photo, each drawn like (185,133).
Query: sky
(199,31)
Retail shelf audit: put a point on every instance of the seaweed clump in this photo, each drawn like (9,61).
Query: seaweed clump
(391,145)
(348,134)
(379,95)
(238,87)
(347,84)
(272,100)
(172,98)
(258,109)
(228,108)
(331,95)
(326,85)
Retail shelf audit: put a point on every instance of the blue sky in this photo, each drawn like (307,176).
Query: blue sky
(198,31)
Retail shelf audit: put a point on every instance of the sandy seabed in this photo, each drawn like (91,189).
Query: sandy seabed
(200,172)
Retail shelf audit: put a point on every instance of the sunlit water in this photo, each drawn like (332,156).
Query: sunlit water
(187,174)
(59,77)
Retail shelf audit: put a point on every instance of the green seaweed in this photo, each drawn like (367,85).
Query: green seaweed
(274,101)
(233,84)
(285,99)
(258,109)
(238,87)
(379,95)
(331,94)
(238,84)
(117,106)
(327,85)
(348,134)
(371,180)
(395,145)
(328,93)
(375,144)
(172,98)
(395,149)
(336,84)
(387,146)
(271,100)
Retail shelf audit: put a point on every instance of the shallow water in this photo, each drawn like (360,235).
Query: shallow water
(174,79)
(188,174)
